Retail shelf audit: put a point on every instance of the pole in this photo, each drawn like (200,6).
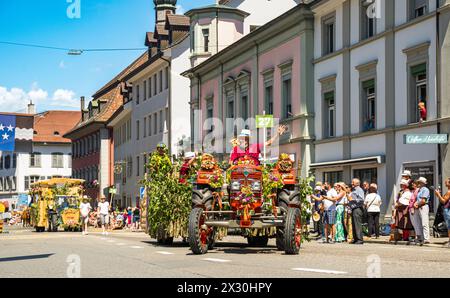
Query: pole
(265,140)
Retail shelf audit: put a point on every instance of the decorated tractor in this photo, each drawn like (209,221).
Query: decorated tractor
(55,202)
(249,198)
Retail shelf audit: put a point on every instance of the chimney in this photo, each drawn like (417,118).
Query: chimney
(82,103)
(31,109)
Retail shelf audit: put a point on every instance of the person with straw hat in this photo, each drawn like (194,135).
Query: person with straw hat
(421,206)
(244,148)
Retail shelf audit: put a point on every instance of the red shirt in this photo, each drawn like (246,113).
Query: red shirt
(423,113)
(252,151)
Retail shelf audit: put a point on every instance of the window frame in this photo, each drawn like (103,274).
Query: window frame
(326,21)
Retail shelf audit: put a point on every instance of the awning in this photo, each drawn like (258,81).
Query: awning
(375,160)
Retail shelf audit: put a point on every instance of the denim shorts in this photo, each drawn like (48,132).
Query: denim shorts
(447,217)
(329,217)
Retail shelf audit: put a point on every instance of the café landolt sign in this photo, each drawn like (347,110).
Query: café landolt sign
(426,139)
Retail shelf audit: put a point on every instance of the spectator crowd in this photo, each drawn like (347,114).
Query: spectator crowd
(345,213)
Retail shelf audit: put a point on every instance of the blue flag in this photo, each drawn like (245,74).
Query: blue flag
(7,132)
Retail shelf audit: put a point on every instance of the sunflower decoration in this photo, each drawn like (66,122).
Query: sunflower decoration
(246,161)
(208,163)
(234,142)
(246,195)
(285,164)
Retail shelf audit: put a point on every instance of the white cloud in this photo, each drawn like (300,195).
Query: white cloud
(62,65)
(16,99)
(180,9)
(64,98)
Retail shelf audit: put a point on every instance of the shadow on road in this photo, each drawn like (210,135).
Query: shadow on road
(23,258)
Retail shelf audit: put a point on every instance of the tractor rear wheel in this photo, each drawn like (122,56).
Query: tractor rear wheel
(198,232)
(293,231)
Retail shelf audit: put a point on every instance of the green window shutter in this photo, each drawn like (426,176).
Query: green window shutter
(329,96)
(368,84)
(419,69)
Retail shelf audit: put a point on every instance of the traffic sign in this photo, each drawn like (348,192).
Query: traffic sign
(264,121)
(141,191)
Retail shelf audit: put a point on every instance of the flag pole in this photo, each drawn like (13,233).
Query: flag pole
(265,140)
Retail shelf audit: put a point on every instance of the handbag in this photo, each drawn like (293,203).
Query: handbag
(366,211)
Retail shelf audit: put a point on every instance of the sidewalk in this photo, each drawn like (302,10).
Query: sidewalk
(435,242)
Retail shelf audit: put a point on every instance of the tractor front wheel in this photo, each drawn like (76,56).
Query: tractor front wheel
(293,231)
(198,232)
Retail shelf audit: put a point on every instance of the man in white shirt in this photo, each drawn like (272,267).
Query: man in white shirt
(85,209)
(103,212)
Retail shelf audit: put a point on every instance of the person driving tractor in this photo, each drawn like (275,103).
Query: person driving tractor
(244,148)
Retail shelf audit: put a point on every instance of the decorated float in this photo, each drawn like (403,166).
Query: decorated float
(56,202)
(167,203)
(259,201)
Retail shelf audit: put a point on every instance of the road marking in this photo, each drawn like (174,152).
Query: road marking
(120,244)
(165,253)
(216,260)
(137,247)
(319,271)
(111,241)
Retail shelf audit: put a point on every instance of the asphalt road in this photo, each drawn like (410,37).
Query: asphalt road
(24,253)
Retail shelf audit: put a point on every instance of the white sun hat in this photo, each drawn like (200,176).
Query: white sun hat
(245,133)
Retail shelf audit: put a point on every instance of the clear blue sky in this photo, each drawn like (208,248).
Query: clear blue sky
(54,79)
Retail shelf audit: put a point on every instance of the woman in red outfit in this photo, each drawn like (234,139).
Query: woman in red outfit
(244,147)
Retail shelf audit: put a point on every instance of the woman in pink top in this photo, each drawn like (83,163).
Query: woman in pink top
(417,224)
(244,148)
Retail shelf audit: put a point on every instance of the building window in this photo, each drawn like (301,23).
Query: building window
(328,34)
(155,123)
(155,85)
(145,127)
(369,105)
(417,8)
(287,96)
(268,98)
(145,164)
(333,177)
(210,114)
(419,93)
(230,105)
(145,90)
(14,163)
(161,121)
(149,87)
(205,33)
(149,125)
(330,119)
(368,25)
(160,81)
(129,166)
(35,160)
(167,77)
(137,130)
(7,162)
(138,94)
(1,162)
(1,183)
(366,175)
(138,166)
(244,105)
(57,160)
(69,161)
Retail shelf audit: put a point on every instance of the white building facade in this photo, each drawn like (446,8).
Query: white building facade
(51,157)
(371,72)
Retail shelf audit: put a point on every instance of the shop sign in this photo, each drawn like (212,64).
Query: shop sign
(415,139)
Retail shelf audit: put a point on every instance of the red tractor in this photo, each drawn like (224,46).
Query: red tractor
(241,205)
